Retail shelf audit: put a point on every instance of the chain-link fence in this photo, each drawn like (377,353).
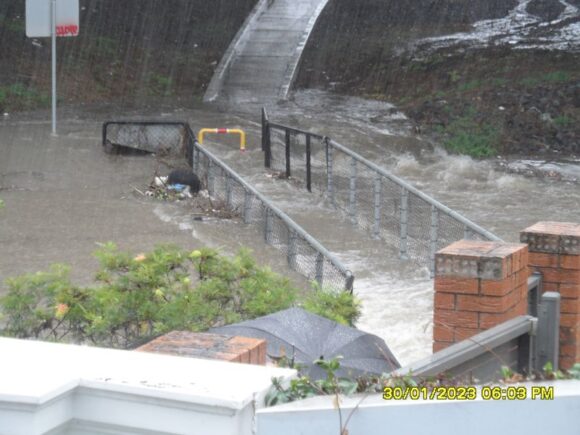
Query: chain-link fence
(304,254)
(382,204)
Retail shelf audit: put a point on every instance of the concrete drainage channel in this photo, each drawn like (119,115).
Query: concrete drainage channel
(304,253)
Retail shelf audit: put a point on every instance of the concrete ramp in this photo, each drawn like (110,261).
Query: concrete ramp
(262,60)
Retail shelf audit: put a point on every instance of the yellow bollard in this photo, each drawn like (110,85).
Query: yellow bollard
(242,134)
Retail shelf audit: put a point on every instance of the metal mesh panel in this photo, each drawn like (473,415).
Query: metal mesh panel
(160,138)
(304,254)
(370,197)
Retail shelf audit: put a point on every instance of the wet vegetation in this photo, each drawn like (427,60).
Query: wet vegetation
(126,51)
(137,297)
(479,101)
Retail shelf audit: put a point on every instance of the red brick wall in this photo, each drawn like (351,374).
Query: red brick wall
(555,252)
(478,285)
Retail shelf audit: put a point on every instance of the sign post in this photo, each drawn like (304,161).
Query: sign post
(52,18)
(53,60)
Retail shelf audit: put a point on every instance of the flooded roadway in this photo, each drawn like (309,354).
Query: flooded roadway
(63,195)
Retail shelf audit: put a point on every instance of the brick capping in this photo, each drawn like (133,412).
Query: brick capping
(478,285)
(554,251)
(209,346)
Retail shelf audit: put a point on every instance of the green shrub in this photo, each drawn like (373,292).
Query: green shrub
(340,306)
(137,297)
(465,136)
(563,121)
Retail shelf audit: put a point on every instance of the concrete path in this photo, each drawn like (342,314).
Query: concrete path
(261,62)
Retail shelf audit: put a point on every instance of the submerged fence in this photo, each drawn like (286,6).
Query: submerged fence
(379,202)
(304,254)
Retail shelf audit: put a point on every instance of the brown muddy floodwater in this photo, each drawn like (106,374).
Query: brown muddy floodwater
(63,195)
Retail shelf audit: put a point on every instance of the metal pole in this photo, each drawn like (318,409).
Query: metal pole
(548,330)
(467,233)
(228,191)
(247,207)
(329,184)
(378,201)
(53,25)
(288,153)
(352,197)
(292,238)
(268,145)
(268,226)
(434,236)
(308,164)
(319,269)
(210,178)
(404,223)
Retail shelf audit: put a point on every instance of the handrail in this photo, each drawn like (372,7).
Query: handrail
(469,349)
(374,167)
(280,214)
(415,191)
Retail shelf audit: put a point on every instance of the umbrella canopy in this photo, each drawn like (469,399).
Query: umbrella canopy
(306,337)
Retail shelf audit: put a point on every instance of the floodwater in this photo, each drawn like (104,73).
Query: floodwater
(64,195)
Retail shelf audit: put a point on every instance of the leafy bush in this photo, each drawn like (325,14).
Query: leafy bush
(138,297)
(466,136)
(340,306)
(135,298)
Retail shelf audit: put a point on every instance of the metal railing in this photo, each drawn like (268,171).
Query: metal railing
(304,253)
(384,205)
(524,344)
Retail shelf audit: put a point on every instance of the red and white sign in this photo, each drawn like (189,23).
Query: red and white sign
(39,18)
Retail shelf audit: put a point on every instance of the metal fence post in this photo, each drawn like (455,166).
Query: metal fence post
(377,206)
(308,164)
(287,143)
(404,224)
(268,145)
(548,335)
(534,291)
(268,227)
(196,159)
(329,163)
(467,233)
(292,249)
(319,268)
(210,178)
(247,207)
(352,193)
(264,117)
(433,242)
(228,190)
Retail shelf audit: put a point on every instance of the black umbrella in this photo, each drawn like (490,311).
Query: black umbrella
(305,337)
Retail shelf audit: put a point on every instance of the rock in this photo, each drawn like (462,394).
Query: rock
(185,177)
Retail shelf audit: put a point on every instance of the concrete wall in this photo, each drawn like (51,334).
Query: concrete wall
(48,388)
(319,416)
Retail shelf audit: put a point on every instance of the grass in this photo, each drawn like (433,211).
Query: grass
(18,96)
(551,77)
(469,86)
(563,121)
(466,136)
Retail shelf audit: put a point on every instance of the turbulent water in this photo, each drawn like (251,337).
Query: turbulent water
(520,29)
(64,194)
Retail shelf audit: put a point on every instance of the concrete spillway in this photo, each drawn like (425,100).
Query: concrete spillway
(261,62)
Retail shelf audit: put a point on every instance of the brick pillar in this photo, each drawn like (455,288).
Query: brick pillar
(555,252)
(478,285)
(209,346)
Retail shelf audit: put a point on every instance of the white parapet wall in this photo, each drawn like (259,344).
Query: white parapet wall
(48,388)
(373,415)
